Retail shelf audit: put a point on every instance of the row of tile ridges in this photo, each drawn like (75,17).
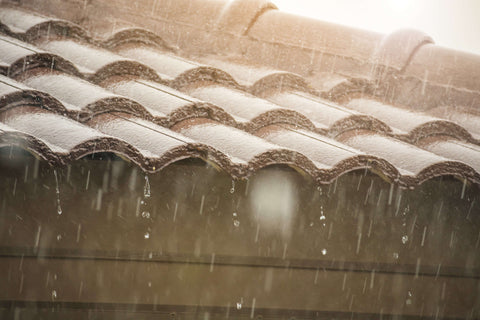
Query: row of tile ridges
(202,73)
(206,110)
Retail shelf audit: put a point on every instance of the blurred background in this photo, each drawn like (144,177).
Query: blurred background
(451,23)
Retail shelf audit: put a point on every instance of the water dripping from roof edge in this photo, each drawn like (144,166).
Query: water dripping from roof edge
(146,188)
(408,301)
(57,191)
(236,222)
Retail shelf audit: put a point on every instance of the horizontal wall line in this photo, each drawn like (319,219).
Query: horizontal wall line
(246,261)
(183,311)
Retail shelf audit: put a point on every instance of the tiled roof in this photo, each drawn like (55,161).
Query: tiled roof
(237,113)
(246,87)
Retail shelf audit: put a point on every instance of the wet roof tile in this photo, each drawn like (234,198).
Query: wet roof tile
(400,154)
(168,106)
(96,63)
(63,137)
(20,21)
(326,152)
(156,104)
(249,110)
(453,149)
(152,140)
(80,96)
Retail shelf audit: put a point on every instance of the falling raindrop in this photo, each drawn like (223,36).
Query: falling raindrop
(59,237)
(146,235)
(146,188)
(409,298)
(150,255)
(463,188)
(37,238)
(88,180)
(54,294)
(404,239)
(212,262)
(395,255)
(324,251)
(57,191)
(149,284)
(232,189)
(236,222)
(239,304)
(201,204)
(146,214)
(252,312)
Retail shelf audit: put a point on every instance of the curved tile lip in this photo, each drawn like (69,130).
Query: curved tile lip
(56,27)
(32,98)
(104,144)
(280,156)
(378,165)
(447,168)
(280,81)
(115,104)
(200,110)
(278,116)
(344,90)
(358,122)
(439,127)
(42,60)
(125,68)
(205,75)
(136,35)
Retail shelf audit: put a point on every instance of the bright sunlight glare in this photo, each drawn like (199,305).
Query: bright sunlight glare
(451,23)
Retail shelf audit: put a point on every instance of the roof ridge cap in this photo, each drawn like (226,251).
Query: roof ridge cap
(238,16)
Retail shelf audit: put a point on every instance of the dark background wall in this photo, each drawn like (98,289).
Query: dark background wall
(200,243)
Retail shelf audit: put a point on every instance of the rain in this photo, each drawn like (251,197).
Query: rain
(257,185)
